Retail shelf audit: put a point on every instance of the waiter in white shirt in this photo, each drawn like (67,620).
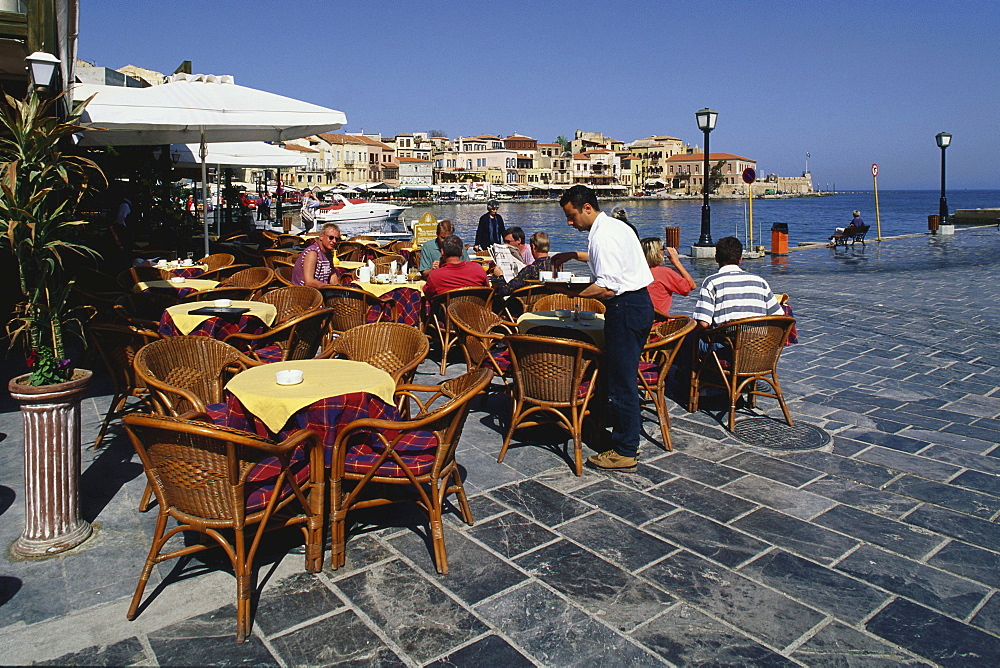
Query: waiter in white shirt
(621,276)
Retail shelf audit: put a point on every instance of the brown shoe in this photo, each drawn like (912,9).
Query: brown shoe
(610,460)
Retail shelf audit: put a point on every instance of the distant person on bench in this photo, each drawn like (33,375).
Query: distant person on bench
(857,222)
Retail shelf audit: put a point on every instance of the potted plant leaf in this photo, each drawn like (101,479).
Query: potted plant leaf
(40,189)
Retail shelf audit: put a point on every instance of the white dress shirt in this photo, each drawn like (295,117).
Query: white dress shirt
(616,257)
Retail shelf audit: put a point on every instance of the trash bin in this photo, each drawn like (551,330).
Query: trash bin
(672,237)
(779,239)
(286,224)
(933,222)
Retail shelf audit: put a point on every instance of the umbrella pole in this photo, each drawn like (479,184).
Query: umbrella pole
(204,190)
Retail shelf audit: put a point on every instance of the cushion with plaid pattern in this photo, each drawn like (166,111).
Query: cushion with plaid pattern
(649,372)
(417,449)
(270,353)
(261,479)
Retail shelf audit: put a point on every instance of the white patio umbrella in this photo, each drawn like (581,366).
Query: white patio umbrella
(237,154)
(198,108)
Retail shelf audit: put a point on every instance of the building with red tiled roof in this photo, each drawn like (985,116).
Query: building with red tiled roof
(687,171)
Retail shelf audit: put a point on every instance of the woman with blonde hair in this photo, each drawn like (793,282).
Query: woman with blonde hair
(666,281)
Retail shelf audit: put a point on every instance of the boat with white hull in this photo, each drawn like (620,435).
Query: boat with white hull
(357,216)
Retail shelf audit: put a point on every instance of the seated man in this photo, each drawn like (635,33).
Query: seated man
(540,262)
(514,237)
(454,272)
(314,266)
(430,251)
(731,293)
(855,222)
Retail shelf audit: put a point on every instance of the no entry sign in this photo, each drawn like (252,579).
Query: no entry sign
(749,175)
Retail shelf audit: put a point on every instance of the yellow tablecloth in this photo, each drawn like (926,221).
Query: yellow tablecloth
(348,265)
(379,289)
(198,284)
(173,266)
(186,323)
(592,328)
(259,392)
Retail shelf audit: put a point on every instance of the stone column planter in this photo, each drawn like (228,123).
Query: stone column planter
(52,520)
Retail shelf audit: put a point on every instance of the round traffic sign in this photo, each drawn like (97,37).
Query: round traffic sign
(749,175)
(874,170)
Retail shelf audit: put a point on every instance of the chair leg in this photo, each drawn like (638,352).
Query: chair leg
(577,453)
(338,517)
(437,531)
(510,430)
(664,417)
(147,569)
(147,499)
(117,404)
(463,500)
(244,586)
(781,400)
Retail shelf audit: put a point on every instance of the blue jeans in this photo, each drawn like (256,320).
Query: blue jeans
(627,322)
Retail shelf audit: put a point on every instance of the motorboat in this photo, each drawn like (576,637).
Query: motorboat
(358,216)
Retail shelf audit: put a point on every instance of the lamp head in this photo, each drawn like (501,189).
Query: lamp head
(943,139)
(42,67)
(706,119)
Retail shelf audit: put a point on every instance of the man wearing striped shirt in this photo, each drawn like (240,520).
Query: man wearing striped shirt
(732,293)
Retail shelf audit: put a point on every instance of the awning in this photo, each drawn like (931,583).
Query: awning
(237,154)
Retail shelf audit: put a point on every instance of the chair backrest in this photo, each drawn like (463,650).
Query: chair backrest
(561,301)
(284,274)
(117,347)
(476,324)
(665,339)
(197,468)
(292,300)
(217,261)
(143,309)
(289,240)
(350,251)
(551,370)
(383,262)
(349,305)
(255,278)
(273,257)
(235,236)
(299,338)
(756,342)
(529,294)
(235,293)
(186,372)
(133,275)
(393,347)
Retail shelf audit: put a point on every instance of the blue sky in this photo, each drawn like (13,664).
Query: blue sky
(851,83)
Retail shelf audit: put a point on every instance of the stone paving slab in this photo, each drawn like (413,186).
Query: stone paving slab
(882,549)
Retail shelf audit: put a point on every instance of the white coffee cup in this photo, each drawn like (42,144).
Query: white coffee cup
(223,303)
(288,377)
(187,262)
(545,275)
(176,279)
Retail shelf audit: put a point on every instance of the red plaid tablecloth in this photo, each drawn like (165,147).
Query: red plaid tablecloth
(216,327)
(180,293)
(407,307)
(186,272)
(326,417)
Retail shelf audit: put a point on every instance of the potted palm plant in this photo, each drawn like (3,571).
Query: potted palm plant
(40,189)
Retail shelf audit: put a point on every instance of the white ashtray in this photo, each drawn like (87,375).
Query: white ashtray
(288,377)
(563,312)
(383,278)
(223,303)
(187,263)
(545,275)
(586,315)
(176,279)
(580,279)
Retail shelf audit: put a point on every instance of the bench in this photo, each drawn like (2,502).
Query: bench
(852,234)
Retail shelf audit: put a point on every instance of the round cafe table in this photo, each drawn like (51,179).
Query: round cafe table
(177,320)
(176,269)
(405,298)
(181,290)
(331,394)
(592,328)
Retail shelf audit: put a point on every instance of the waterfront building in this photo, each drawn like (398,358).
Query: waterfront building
(482,158)
(598,167)
(554,165)
(415,171)
(589,141)
(653,152)
(684,172)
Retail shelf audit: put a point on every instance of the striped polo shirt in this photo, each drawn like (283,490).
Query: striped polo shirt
(732,294)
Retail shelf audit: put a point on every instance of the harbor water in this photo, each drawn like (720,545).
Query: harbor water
(808,218)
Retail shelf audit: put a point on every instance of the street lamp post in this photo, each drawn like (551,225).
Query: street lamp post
(943,141)
(706,122)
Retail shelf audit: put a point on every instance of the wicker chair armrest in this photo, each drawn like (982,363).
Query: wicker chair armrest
(197,416)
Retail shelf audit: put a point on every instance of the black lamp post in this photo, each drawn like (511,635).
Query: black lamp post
(943,141)
(706,122)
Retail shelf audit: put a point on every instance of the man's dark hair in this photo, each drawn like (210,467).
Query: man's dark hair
(516,233)
(728,250)
(452,246)
(578,196)
(445,226)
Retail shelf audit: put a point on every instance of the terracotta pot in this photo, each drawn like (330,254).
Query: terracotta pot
(52,520)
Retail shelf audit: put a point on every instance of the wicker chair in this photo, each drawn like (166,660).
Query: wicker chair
(217,261)
(741,353)
(214,481)
(289,241)
(274,257)
(523,299)
(117,347)
(350,307)
(143,309)
(664,341)
(393,347)
(391,459)
(561,301)
(439,319)
(384,262)
(187,372)
(300,338)
(556,377)
(234,237)
(480,333)
(292,300)
(222,273)
(255,278)
(283,274)
(349,251)
(232,292)
(128,278)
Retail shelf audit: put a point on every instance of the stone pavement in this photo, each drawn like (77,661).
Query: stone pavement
(881,548)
